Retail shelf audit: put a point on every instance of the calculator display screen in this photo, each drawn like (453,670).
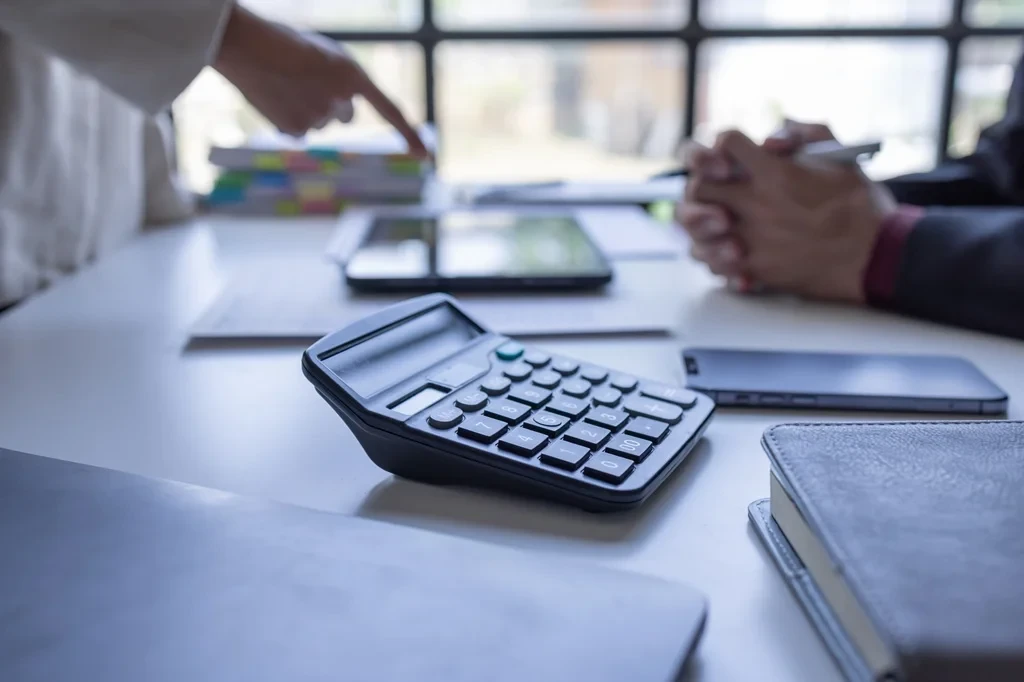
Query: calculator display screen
(391,355)
(475,244)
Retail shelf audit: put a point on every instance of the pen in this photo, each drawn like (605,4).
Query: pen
(828,150)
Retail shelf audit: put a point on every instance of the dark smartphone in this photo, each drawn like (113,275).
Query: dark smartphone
(467,250)
(842,381)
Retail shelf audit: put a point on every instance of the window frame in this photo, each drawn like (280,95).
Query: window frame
(429,35)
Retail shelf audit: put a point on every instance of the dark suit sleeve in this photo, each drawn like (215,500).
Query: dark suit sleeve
(992,176)
(965,267)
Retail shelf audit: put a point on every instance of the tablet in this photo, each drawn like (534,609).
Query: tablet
(476,250)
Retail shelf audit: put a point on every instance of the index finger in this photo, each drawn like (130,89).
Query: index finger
(393,115)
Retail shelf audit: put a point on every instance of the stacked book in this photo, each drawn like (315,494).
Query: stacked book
(278,175)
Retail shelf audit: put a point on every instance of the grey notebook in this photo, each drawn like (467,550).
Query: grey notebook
(904,542)
(109,576)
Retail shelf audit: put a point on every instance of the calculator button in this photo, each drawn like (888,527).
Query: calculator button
(577,389)
(647,428)
(608,418)
(565,367)
(624,383)
(564,455)
(608,468)
(530,395)
(536,358)
(655,409)
(547,379)
(496,386)
(671,394)
(523,442)
(607,396)
(587,435)
(547,422)
(629,447)
(472,402)
(507,411)
(518,372)
(482,429)
(510,351)
(445,417)
(570,407)
(594,375)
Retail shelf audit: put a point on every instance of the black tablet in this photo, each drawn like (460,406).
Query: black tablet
(477,250)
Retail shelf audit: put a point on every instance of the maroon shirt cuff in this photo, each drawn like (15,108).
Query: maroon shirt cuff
(884,267)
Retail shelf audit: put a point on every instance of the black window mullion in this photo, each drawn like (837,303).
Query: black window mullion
(428,42)
(954,43)
(691,35)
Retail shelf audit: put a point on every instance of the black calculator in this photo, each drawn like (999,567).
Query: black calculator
(432,395)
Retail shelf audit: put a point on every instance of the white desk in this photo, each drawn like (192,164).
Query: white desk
(96,370)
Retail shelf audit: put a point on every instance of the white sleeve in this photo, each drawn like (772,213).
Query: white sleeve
(146,51)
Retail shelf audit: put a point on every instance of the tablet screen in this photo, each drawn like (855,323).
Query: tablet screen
(475,244)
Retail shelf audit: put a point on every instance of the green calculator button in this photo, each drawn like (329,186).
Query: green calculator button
(510,351)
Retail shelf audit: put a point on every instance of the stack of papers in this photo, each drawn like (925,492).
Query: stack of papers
(280,175)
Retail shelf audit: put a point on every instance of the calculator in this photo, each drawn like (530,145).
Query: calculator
(433,396)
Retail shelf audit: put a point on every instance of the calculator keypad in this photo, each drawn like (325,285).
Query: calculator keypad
(582,421)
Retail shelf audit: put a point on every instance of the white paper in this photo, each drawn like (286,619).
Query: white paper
(305,300)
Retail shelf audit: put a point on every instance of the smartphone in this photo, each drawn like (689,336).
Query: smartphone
(842,381)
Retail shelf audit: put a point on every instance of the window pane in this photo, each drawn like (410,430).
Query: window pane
(994,12)
(341,14)
(514,111)
(570,13)
(986,70)
(211,112)
(862,88)
(824,12)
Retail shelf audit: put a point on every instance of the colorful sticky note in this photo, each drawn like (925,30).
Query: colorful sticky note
(300,161)
(268,162)
(330,167)
(288,208)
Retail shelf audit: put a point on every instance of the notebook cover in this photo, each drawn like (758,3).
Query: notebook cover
(926,521)
(114,577)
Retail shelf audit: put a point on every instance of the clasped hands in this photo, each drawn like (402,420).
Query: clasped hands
(761,218)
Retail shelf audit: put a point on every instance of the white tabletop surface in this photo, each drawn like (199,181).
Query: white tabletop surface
(97,370)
